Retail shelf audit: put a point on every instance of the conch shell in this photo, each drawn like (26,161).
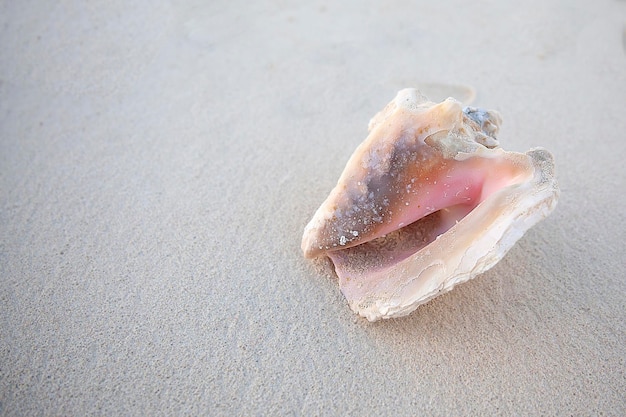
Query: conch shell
(429,200)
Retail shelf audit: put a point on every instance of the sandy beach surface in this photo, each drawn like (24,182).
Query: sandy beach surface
(159,161)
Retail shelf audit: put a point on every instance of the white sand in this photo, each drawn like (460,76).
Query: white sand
(159,162)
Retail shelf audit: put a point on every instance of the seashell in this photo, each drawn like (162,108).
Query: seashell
(429,200)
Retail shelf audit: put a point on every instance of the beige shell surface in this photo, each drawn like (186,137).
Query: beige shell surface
(427,201)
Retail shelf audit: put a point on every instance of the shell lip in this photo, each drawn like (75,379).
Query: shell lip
(431,225)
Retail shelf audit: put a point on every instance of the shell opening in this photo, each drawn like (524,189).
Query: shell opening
(427,219)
